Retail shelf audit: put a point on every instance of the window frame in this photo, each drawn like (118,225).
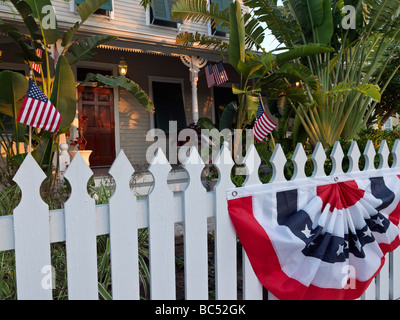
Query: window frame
(152,79)
(109,13)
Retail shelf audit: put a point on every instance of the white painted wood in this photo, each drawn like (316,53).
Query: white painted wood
(80,234)
(252,163)
(299,160)
(383,153)
(252,288)
(337,156)
(396,154)
(195,230)
(318,158)
(161,231)
(81,221)
(395,274)
(123,233)
(354,156)
(369,155)
(278,161)
(225,234)
(383,281)
(32,235)
(370,293)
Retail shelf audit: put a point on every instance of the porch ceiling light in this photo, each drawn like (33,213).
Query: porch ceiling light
(122,67)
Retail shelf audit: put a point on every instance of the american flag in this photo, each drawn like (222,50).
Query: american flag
(209,75)
(220,74)
(36,66)
(263,124)
(320,238)
(37,110)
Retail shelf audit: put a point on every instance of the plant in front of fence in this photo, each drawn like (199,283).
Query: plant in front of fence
(52,59)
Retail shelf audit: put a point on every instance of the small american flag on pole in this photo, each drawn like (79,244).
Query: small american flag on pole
(263,124)
(209,75)
(37,110)
(36,66)
(220,74)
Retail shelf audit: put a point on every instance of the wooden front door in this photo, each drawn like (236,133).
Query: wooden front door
(98,105)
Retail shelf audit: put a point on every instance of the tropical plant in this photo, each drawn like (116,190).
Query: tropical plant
(259,71)
(56,78)
(347,78)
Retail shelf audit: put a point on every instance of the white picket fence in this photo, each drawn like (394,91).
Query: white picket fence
(32,227)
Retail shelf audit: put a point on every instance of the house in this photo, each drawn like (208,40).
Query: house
(172,75)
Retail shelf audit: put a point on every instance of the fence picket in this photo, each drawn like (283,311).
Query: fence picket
(369,155)
(32,235)
(225,234)
(337,156)
(354,156)
(252,288)
(123,232)
(299,160)
(318,158)
(80,234)
(161,231)
(195,230)
(383,153)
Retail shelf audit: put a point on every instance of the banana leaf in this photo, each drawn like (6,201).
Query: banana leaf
(125,83)
(44,11)
(64,92)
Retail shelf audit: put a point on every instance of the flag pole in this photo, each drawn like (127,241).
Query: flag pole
(30,127)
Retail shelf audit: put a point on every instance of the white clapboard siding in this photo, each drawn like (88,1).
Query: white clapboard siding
(80,233)
(32,227)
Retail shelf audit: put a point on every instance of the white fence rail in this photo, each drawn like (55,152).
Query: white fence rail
(32,227)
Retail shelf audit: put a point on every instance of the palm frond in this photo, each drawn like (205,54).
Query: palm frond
(188,39)
(198,11)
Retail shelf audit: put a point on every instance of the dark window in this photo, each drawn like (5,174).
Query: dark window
(168,103)
(103,10)
(160,13)
(222,5)
(222,97)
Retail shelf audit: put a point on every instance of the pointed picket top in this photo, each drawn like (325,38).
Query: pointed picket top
(318,158)
(278,161)
(193,163)
(299,160)
(396,154)
(29,171)
(121,169)
(369,155)
(354,156)
(252,162)
(337,156)
(224,156)
(383,153)
(159,168)
(77,172)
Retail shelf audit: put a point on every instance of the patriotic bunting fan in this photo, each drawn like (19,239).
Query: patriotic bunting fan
(318,238)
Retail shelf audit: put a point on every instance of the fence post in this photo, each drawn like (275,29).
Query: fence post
(32,235)
(123,232)
(161,231)
(80,234)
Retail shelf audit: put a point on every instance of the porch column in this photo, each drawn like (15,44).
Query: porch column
(194,63)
